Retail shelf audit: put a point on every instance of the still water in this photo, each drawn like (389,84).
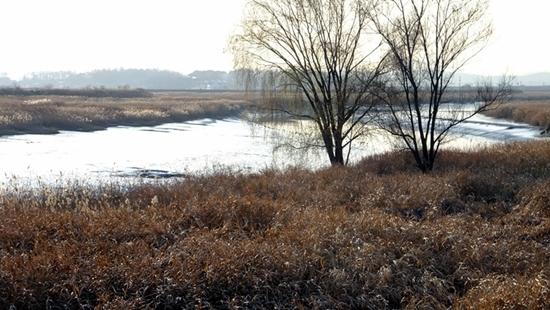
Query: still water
(189,148)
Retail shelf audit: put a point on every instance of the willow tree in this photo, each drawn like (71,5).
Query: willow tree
(308,60)
(427,43)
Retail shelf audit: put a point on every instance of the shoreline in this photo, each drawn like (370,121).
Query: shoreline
(43,130)
(52,114)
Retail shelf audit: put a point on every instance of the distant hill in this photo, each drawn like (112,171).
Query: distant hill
(126,78)
(537,79)
(5,80)
(170,80)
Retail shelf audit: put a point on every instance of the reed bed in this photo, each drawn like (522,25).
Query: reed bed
(533,112)
(52,113)
(474,234)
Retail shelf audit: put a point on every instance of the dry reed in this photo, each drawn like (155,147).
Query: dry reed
(535,113)
(49,114)
(474,234)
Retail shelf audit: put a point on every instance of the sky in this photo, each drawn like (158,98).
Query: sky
(188,35)
(520,43)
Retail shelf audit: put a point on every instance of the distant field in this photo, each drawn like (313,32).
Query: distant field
(82,92)
(51,113)
(533,94)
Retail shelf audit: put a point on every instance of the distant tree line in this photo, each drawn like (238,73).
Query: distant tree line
(96,92)
(126,78)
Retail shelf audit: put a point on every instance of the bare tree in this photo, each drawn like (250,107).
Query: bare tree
(308,59)
(428,42)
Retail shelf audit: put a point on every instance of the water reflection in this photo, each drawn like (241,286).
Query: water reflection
(177,150)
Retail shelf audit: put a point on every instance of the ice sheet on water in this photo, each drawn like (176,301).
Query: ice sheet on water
(185,148)
(483,127)
(174,148)
(204,122)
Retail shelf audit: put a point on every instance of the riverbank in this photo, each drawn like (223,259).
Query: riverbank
(49,114)
(378,235)
(49,111)
(532,112)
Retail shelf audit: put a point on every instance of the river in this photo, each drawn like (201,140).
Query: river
(177,150)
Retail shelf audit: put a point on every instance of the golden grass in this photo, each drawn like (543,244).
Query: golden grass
(49,114)
(532,112)
(529,107)
(475,234)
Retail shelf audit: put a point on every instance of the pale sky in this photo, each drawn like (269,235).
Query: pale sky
(188,35)
(521,42)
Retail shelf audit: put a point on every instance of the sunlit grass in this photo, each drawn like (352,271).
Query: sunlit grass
(49,114)
(377,235)
(535,113)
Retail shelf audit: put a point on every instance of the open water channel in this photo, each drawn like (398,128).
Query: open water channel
(177,150)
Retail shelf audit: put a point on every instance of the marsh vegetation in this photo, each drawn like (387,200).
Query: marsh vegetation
(78,111)
(532,112)
(473,234)
(378,234)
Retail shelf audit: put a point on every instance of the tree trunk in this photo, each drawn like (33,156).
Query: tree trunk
(338,152)
(334,149)
(424,163)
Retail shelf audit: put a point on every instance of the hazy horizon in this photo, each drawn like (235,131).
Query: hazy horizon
(64,35)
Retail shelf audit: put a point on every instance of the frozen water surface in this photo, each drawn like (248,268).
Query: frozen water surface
(173,150)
